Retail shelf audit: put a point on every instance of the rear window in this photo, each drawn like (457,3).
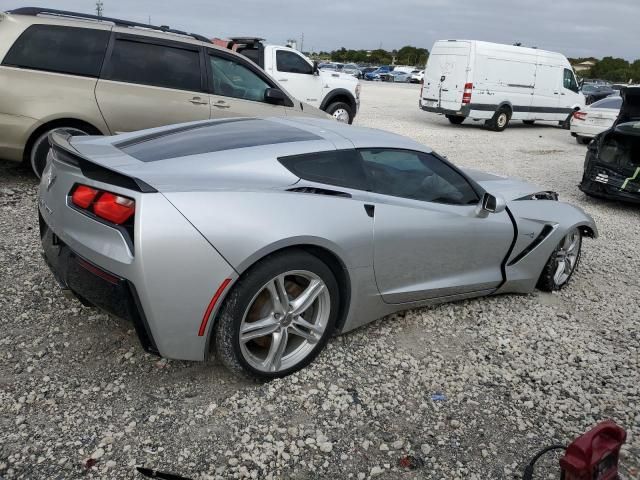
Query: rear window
(55,48)
(157,65)
(614,103)
(212,137)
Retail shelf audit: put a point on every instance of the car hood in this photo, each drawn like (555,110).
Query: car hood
(509,188)
(630,110)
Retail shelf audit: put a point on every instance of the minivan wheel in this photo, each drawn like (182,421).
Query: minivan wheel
(278,317)
(40,148)
(500,119)
(456,119)
(341,112)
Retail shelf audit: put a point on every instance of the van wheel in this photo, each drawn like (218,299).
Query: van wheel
(456,119)
(528,122)
(341,112)
(500,119)
(37,154)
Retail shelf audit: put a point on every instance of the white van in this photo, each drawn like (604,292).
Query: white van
(498,83)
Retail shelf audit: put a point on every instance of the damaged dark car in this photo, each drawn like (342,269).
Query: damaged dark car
(612,164)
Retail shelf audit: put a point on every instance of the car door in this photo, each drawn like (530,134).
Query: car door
(238,89)
(148,82)
(428,240)
(297,75)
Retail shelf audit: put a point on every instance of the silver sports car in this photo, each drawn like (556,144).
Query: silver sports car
(258,239)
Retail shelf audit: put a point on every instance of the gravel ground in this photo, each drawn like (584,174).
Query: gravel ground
(469,390)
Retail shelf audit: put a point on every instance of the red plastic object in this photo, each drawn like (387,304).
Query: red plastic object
(114,208)
(594,455)
(83,196)
(466,94)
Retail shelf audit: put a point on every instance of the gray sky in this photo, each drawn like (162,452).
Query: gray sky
(577,28)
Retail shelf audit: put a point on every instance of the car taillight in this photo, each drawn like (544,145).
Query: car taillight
(580,115)
(466,95)
(106,205)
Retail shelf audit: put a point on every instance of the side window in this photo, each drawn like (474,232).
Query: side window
(153,64)
(54,48)
(232,79)
(338,167)
(291,62)
(417,176)
(569,81)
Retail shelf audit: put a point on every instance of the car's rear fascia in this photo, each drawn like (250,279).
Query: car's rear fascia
(162,279)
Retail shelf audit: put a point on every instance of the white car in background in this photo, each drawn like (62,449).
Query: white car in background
(594,119)
(417,76)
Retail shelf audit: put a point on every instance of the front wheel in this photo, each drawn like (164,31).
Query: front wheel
(37,155)
(455,119)
(500,120)
(341,112)
(562,263)
(278,317)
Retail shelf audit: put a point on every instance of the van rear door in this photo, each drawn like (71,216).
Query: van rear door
(446,75)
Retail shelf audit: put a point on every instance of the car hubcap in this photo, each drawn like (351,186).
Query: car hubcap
(567,257)
(284,321)
(502,120)
(341,115)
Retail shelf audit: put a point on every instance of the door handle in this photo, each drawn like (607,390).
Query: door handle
(198,101)
(283,79)
(221,104)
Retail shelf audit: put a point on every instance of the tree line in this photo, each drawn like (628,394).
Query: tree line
(407,55)
(613,69)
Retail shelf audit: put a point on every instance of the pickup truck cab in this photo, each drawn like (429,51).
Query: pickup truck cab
(336,93)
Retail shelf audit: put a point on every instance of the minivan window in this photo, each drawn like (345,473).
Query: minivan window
(55,48)
(156,65)
(291,62)
(416,176)
(570,81)
(341,168)
(232,79)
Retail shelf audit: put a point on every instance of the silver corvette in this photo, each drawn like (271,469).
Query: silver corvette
(258,239)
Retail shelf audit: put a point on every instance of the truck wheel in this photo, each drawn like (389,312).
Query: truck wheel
(456,119)
(500,119)
(341,112)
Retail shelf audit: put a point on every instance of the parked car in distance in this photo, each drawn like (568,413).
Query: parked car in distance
(498,83)
(595,118)
(593,93)
(399,77)
(351,69)
(375,75)
(612,163)
(57,73)
(366,70)
(375,223)
(417,76)
(330,90)
(328,66)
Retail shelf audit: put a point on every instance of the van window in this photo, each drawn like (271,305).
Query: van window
(152,64)
(233,79)
(54,48)
(570,81)
(292,63)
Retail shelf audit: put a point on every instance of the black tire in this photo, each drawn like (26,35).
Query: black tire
(456,119)
(583,140)
(36,154)
(528,122)
(337,106)
(547,281)
(500,119)
(227,327)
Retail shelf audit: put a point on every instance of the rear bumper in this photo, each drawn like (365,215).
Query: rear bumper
(462,112)
(95,286)
(603,182)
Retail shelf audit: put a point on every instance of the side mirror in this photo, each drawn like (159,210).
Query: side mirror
(316,70)
(274,96)
(490,204)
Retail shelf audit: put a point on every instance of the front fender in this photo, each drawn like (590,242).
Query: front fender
(535,243)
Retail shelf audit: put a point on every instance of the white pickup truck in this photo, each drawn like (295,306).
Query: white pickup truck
(336,93)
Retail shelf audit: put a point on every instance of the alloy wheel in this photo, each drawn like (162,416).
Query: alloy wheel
(567,257)
(284,321)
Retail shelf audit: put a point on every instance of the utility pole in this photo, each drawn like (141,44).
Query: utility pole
(302,43)
(99,8)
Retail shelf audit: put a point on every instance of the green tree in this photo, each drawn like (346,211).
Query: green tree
(613,69)
(409,55)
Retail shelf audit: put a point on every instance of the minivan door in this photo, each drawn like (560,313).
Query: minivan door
(238,89)
(148,82)
(297,75)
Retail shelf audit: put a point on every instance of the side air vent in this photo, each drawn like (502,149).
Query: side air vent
(544,233)
(320,191)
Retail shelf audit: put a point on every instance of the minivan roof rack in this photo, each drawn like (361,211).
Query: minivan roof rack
(34,11)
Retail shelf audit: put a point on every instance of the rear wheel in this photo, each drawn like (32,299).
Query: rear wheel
(278,317)
(341,112)
(500,119)
(456,119)
(37,154)
(562,263)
